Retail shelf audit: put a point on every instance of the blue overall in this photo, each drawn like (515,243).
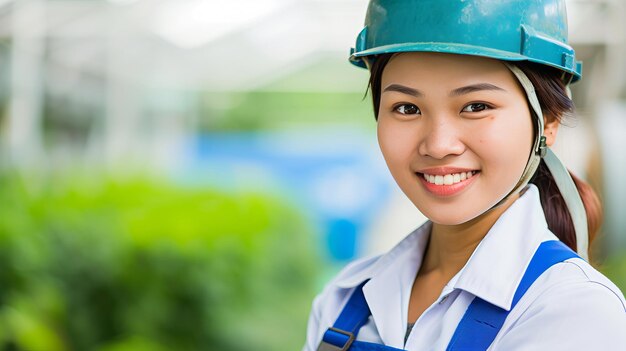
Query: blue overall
(476,330)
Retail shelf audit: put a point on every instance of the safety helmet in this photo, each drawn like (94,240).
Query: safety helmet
(509,30)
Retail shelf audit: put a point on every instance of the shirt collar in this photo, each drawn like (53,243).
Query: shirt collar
(496,266)
(413,244)
(498,263)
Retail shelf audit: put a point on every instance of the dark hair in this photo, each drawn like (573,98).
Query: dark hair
(555,104)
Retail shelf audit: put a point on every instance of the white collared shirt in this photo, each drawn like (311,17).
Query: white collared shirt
(571,306)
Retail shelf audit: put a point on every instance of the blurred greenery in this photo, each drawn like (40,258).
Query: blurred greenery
(261,110)
(109,265)
(615,269)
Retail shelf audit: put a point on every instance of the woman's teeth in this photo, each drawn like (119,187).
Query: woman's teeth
(448,179)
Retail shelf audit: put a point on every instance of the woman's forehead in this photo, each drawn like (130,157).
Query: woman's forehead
(443,67)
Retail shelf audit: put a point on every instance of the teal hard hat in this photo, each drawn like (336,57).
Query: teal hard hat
(510,30)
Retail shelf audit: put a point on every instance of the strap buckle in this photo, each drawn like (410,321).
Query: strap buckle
(542,149)
(327,346)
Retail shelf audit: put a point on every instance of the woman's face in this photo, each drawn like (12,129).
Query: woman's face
(455,131)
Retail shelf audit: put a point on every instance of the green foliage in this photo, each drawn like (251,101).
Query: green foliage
(142,265)
(615,269)
(261,110)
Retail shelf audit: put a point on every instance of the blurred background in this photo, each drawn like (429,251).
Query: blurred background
(187,174)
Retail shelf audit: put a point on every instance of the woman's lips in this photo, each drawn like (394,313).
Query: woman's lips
(449,184)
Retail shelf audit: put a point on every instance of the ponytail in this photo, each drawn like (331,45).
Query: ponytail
(557,215)
(555,104)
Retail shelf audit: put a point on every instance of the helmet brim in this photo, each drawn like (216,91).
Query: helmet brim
(357,58)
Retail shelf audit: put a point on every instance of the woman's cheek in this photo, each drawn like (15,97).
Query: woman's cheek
(507,146)
(396,139)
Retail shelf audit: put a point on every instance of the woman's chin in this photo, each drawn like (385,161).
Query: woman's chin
(445,217)
(446,220)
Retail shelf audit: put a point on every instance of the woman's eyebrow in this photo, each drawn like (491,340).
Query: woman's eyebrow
(456,92)
(473,88)
(404,90)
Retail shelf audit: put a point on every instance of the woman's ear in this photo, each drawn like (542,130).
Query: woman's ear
(551,127)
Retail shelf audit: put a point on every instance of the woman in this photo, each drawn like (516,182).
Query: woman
(468,97)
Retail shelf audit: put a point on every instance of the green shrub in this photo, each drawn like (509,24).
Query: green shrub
(615,269)
(98,264)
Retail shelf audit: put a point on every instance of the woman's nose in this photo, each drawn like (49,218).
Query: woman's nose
(441,138)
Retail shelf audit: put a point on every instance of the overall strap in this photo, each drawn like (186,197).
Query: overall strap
(482,321)
(353,316)
(341,336)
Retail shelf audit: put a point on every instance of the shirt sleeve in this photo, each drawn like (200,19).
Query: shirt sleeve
(576,316)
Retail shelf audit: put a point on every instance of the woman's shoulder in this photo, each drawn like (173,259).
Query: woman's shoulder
(574,281)
(573,288)
(577,278)
(571,306)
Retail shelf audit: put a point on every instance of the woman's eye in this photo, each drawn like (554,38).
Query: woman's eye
(407,109)
(475,107)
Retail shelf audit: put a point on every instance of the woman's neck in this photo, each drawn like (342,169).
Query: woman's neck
(450,246)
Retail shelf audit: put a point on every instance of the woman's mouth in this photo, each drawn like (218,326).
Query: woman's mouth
(447,184)
(448,179)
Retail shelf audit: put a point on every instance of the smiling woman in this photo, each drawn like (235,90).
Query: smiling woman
(464,106)
(468,101)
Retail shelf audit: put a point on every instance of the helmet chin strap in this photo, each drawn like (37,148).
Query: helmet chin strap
(563,180)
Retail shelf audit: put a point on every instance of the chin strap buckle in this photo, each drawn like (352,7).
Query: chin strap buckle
(543,148)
